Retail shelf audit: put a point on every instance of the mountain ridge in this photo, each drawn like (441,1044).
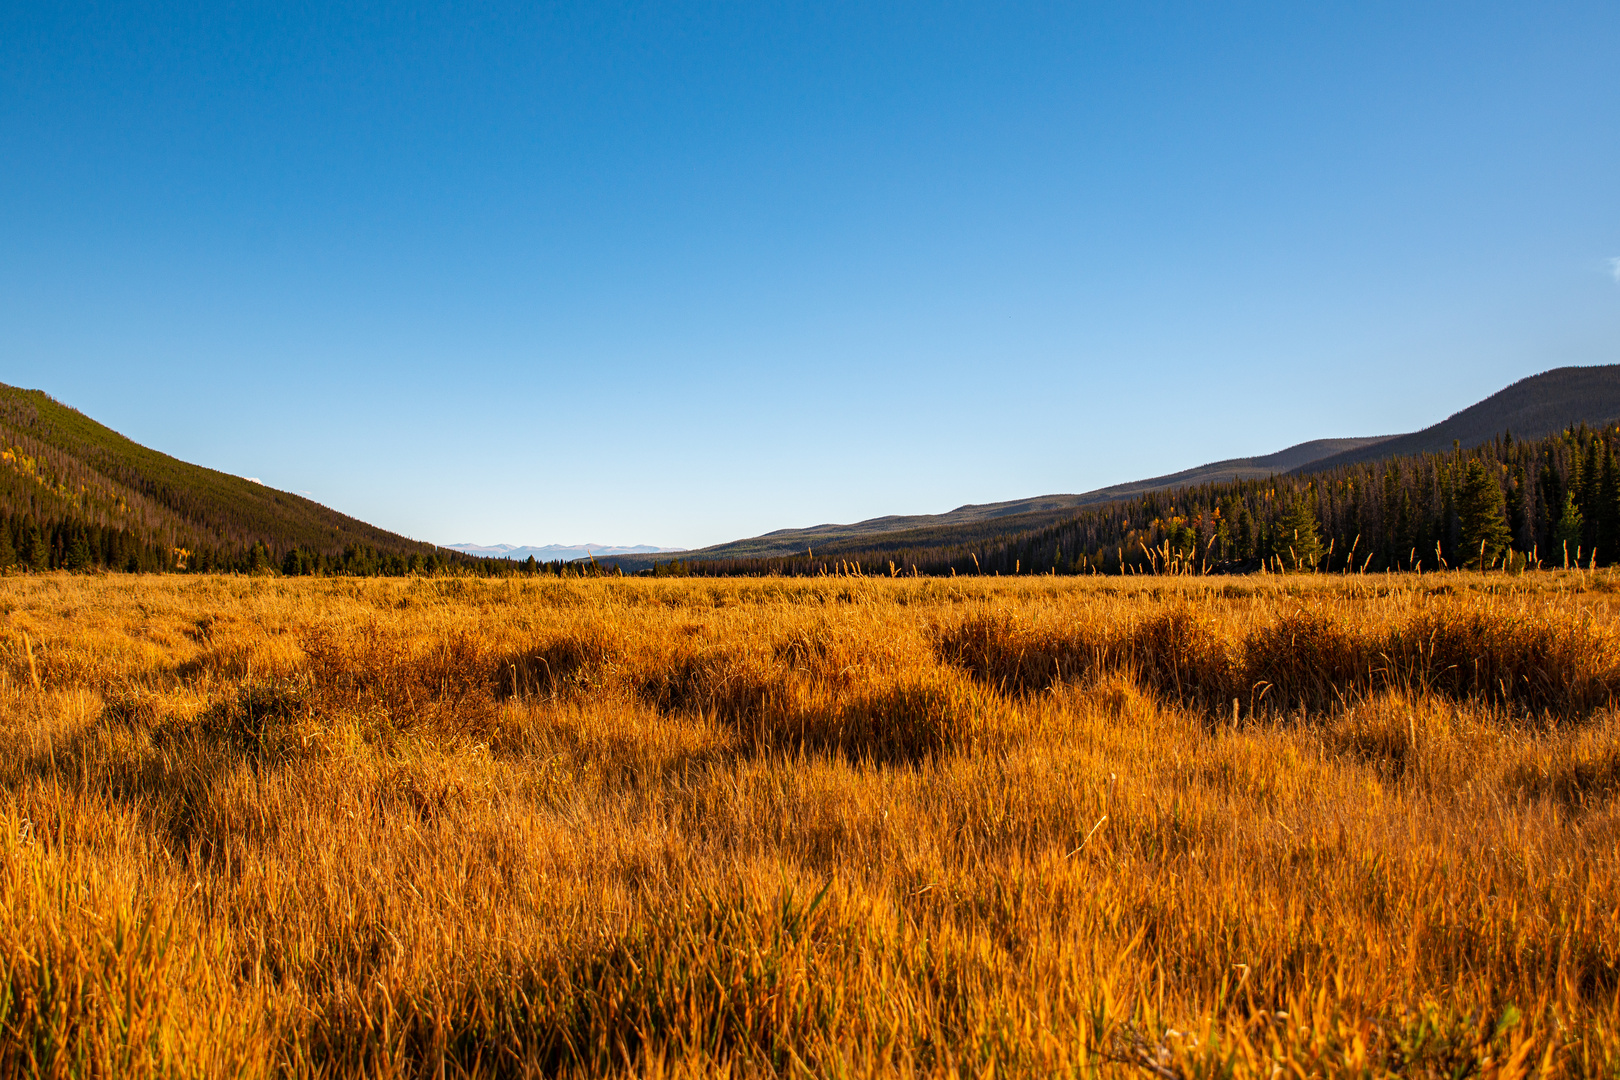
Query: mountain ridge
(73,490)
(76,494)
(794,541)
(553,552)
(1541,405)
(1563,397)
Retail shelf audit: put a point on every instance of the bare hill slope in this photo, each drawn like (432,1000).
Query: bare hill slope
(1531,408)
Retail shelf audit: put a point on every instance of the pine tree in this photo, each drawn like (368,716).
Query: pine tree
(1606,541)
(1481,523)
(36,551)
(1567,532)
(1389,517)
(1519,511)
(1299,538)
(77,556)
(1591,494)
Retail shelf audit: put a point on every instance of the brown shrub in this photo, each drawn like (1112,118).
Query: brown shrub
(824,652)
(897,723)
(563,661)
(1381,736)
(821,700)
(1016,657)
(258,719)
(1308,659)
(444,681)
(427,793)
(132,706)
(1182,654)
(1567,668)
(724,681)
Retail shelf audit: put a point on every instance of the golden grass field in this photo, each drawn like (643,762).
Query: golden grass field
(1269,826)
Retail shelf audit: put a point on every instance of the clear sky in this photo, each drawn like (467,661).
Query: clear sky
(552,272)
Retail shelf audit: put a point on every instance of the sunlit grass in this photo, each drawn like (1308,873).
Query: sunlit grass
(260,826)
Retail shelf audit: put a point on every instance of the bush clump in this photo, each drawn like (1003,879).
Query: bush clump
(1311,658)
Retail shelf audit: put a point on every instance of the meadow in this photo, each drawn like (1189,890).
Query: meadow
(1266,826)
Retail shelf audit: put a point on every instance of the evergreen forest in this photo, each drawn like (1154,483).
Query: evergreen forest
(76,495)
(1507,503)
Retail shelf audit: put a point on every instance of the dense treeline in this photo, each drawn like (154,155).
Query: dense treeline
(358,561)
(66,544)
(1507,503)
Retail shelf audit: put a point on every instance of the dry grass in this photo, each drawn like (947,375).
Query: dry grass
(837,827)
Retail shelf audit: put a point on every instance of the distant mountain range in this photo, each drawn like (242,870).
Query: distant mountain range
(1531,408)
(74,493)
(558,552)
(1026,512)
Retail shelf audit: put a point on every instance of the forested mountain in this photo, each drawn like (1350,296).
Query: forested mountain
(76,494)
(1531,408)
(1537,406)
(1507,501)
(999,517)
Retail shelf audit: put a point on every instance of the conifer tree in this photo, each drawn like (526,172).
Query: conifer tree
(1483,527)
(78,554)
(1591,496)
(1245,535)
(36,553)
(1606,539)
(1299,538)
(1567,532)
(1391,500)
(1223,537)
(1519,511)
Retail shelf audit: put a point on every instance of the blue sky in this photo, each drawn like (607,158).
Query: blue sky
(654,274)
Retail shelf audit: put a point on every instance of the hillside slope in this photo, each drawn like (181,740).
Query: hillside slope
(1557,502)
(978,519)
(66,480)
(1531,408)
